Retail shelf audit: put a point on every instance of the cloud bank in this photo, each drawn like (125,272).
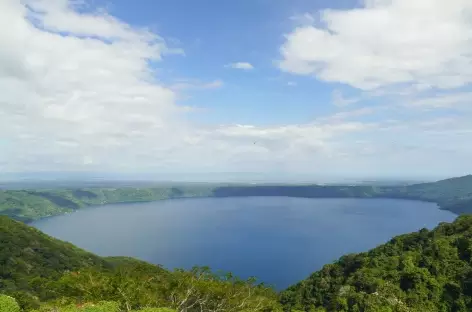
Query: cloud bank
(426,43)
(80,92)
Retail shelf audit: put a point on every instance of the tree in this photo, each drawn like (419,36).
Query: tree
(8,304)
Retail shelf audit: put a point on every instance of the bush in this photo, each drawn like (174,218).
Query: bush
(91,307)
(8,304)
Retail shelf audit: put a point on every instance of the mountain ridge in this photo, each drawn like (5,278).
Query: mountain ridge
(454,194)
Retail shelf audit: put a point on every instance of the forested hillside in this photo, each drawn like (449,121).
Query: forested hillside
(449,194)
(41,272)
(424,271)
(28,205)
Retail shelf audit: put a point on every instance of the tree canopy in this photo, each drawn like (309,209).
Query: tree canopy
(41,272)
(423,271)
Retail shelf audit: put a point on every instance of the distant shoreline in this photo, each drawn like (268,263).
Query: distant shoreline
(213,197)
(454,195)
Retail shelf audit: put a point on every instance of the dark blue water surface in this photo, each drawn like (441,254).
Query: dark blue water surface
(277,239)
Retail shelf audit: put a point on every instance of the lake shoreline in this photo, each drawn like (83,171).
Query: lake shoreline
(243,235)
(27,205)
(204,197)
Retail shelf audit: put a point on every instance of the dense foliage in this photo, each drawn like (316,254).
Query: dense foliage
(42,273)
(9,304)
(447,193)
(27,252)
(27,205)
(423,271)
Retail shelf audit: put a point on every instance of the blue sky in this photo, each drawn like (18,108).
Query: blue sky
(269,88)
(216,33)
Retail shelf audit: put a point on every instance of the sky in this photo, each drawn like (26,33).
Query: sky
(274,88)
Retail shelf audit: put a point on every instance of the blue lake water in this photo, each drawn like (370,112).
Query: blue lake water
(277,239)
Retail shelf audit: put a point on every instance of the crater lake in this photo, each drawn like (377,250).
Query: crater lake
(279,240)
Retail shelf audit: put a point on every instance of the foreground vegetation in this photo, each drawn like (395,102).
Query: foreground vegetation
(9,304)
(423,271)
(43,273)
(418,272)
(28,205)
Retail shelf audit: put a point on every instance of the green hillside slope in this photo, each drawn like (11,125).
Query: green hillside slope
(25,252)
(43,272)
(423,271)
(29,205)
(446,193)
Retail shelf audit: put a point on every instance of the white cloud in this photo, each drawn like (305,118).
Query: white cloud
(62,16)
(384,43)
(187,84)
(79,94)
(92,89)
(456,100)
(340,100)
(89,101)
(411,62)
(365,111)
(240,65)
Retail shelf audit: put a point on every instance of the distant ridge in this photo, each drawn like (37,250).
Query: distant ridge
(454,194)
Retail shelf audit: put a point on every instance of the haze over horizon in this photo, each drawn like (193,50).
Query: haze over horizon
(97,178)
(273,89)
